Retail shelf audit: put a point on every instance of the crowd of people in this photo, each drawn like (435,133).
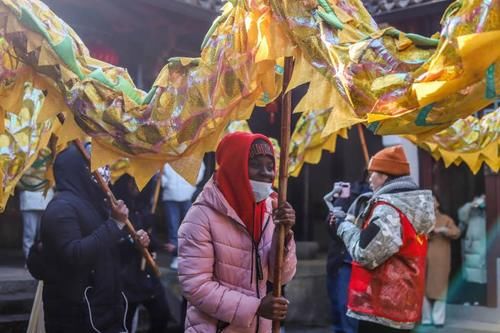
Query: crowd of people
(387,269)
(94,278)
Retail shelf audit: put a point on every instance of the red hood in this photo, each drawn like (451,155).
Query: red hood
(232,178)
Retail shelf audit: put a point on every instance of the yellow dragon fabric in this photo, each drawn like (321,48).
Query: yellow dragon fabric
(395,83)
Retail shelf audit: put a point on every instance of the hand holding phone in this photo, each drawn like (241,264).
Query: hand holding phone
(340,190)
(345,190)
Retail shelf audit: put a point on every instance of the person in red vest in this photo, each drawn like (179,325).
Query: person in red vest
(388,244)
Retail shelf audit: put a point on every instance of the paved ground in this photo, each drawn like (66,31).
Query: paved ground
(451,327)
(11,268)
(441,330)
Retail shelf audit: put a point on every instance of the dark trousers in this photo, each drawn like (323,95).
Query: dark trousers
(474,292)
(338,289)
(369,327)
(159,314)
(174,214)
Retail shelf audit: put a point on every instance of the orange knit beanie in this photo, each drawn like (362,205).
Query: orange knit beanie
(390,161)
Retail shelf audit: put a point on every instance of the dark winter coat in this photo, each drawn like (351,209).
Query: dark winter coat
(138,285)
(81,252)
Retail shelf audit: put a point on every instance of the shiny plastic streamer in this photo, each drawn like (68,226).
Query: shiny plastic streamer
(472,140)
(21,140)
(307,142)
(393,82)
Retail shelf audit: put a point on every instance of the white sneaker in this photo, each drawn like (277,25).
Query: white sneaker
(174,264)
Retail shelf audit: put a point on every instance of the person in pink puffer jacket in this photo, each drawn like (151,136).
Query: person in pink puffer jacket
(226,243)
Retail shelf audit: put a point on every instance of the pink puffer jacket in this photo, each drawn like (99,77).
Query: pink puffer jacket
(217,267)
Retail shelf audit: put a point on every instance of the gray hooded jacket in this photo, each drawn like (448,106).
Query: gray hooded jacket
(382,238)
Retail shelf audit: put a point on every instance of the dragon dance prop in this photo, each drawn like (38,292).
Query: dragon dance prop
(308,141)
(393,82)
(472,141)
(22,140)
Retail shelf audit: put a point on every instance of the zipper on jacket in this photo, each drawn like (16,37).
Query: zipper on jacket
(258,263)
(260,273)
(255,249)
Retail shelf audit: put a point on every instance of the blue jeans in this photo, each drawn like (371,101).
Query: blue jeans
(338,289)
(174,213)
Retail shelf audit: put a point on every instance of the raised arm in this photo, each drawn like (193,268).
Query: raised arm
(373,245)
(61,231)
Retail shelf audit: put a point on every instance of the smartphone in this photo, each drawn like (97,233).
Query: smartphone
(346,190)
(340,190)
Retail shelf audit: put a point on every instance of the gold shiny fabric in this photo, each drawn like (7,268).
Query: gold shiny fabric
(395,83)
(22,140)
(472,140)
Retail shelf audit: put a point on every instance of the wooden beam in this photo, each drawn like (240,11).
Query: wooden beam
(492,182)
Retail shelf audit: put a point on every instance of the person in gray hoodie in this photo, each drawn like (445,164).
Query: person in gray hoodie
(388,244)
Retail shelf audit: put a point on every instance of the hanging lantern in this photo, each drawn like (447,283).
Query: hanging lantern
(104,53)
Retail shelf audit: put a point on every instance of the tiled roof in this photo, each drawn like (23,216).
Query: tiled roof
(386,6)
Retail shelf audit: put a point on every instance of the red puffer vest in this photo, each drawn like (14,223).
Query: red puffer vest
(394,290)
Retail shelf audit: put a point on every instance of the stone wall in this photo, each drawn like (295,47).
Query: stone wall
(308,296)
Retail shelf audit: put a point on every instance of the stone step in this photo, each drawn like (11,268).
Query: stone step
(14,323)
(14,318)
(16,280)
(12,287)
(17,291)
(308,296)
(16,303)
(474,313)
(307,250)
(173,292)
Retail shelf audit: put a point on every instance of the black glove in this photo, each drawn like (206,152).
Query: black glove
(339,216)
(334,219)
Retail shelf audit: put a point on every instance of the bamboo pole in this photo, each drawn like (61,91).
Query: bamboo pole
(154,205)
(286,119)
(363,144)
(104,186)
(156,195)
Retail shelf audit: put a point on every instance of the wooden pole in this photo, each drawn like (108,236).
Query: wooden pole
(363,144)
(286,119)
(156,195)
(104,186)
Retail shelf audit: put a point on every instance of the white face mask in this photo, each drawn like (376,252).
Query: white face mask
(261,190)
